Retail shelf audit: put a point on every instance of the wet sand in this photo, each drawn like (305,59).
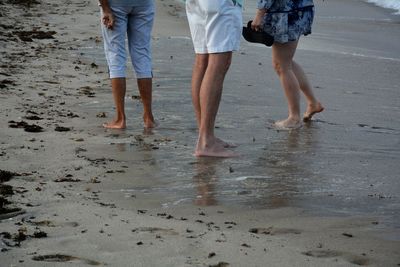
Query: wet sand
(76,194)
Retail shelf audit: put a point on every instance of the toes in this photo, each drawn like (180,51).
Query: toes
(307,117)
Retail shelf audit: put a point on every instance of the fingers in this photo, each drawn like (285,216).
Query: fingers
(108,21)
(110,24)
(256,24)
(256,27)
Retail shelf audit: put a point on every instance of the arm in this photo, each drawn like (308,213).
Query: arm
(262,7)
(107,17)
(257,20)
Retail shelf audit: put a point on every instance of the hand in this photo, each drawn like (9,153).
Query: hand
(257,21)
(108,18)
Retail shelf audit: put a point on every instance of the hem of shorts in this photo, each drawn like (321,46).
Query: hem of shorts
(138,75)
(144,75)
(215,50)
(117,75)
(285,39)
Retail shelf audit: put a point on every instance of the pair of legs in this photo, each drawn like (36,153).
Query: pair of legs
(293,80)
(208,76)
(134,23)
(118,90)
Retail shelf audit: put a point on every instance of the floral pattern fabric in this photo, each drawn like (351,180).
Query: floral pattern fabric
(287,20)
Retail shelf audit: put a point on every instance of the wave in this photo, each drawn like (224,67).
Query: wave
(392,4)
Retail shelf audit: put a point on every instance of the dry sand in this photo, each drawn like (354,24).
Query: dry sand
(75,194)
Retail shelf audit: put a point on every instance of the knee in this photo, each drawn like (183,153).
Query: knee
(228,64)
(224,64)
(280,67)
(223,67)
(201,63)
(277,66)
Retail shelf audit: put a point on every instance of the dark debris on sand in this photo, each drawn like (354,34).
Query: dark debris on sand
(6,191)
(33,118)
(39,234)
(28,36)
(25,3)
(87,91)
(6,176)
(67,179)
(62,129)
(64,258)
(32,128)
(5,83)
(220,264)
(14,240)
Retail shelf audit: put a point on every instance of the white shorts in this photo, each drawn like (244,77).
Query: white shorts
(215,25)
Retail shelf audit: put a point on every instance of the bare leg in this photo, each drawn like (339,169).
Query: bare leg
(210,97)
(118,86)
(199,70)
(282,57)
(145,86)
(313,105)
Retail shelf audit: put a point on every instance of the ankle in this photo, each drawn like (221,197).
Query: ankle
(313,104)
(294,117)
(120,118)
(148,116)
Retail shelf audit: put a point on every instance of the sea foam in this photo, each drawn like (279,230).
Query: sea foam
(393,4)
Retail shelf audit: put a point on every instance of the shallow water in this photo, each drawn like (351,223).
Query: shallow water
(345,162)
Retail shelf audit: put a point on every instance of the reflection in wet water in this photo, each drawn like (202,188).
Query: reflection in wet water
(273,180)
(121,147)
(204,180)
(282,171)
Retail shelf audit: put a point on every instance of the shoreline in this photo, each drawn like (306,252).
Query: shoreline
(326,195)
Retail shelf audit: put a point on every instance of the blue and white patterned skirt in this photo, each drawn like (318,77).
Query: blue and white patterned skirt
(289,26)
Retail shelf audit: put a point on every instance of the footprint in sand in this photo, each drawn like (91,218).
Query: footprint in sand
(64,258)
(155,230)
(354,259)
(274,231)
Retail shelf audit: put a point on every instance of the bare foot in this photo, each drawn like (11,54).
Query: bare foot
(150,124)
(149,121)
(312,110)
(116,124)
(215,149)
(226,144)
(288,124)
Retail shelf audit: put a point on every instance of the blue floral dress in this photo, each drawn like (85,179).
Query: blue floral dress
(287,20)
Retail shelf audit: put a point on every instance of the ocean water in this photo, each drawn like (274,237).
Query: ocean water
(392,4)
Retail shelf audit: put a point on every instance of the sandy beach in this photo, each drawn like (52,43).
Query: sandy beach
(75,194)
